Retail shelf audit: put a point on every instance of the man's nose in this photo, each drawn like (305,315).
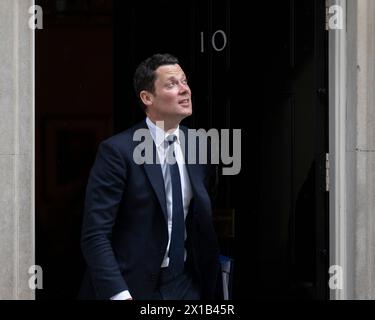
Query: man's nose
(184,87)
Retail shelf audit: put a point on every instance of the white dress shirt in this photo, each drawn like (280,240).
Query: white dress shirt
(159,136)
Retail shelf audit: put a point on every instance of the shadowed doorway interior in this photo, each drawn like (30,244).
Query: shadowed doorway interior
(272,217)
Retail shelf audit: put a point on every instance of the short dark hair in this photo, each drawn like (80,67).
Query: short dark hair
(144,76)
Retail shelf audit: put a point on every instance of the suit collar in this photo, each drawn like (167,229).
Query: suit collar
(159,135)
(154,172)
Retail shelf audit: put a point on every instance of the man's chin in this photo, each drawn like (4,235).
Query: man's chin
(186,114)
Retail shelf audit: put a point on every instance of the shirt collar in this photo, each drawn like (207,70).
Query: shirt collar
(159,135)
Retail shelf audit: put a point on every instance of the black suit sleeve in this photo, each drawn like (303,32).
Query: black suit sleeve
(103,195)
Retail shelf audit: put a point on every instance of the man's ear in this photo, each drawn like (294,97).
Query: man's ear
(146,97)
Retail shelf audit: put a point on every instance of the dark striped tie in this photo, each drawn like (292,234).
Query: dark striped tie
(177,245)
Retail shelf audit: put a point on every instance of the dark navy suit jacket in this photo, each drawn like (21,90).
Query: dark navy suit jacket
(124,232)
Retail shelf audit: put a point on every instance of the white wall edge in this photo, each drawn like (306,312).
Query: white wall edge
(337,146)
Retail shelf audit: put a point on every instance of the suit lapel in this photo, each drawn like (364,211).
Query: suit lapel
(156,179)
(192,169)
(155,175)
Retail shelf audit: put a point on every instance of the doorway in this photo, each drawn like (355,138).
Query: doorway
(262,70)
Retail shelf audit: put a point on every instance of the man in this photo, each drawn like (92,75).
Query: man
(147,230)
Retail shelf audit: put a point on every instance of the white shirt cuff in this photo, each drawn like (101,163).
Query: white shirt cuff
(123,295)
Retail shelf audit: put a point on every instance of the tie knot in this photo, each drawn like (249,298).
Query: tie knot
(171,139)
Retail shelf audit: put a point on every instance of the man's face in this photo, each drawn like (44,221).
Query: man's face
(171,100)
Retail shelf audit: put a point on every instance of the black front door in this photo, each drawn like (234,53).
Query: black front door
(281,104)
(261,70)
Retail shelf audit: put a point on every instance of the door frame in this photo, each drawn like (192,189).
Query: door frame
(338,225)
